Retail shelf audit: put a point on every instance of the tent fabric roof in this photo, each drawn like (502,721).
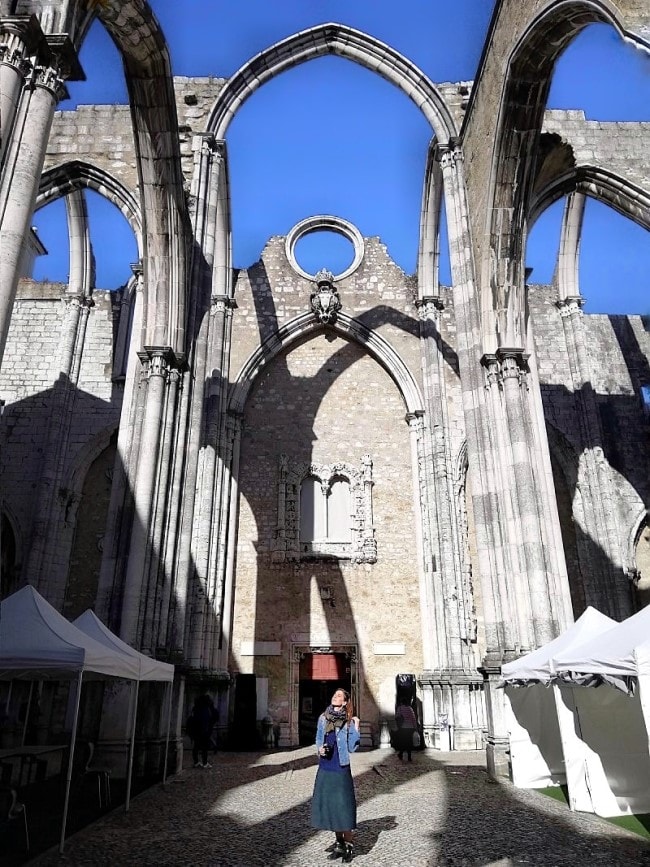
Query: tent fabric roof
(625,650)
(36,640)
(149,669)
(540,665)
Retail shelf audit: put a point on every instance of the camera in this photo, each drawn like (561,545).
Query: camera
(328,751)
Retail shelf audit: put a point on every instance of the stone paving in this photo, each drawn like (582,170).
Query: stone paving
(252,810)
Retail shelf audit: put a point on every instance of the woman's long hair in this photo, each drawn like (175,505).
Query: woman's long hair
(349,707)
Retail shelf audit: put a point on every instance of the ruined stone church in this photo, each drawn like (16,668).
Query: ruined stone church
(278,480)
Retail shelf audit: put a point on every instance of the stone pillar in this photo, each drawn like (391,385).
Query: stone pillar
(20,36)
(156,362)
(24,164)
(507,503)
(159,582)
(480,448)
(234,432)
(116,536)
(428,610)
(205,191)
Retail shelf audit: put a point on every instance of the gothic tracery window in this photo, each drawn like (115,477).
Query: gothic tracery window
(325,512)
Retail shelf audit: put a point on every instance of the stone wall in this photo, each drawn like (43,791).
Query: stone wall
(326,400)
(49,423)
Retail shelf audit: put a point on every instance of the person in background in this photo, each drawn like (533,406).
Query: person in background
(334,804)
(199,728)
(406,727)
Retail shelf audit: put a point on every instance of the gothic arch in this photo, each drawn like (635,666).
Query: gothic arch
(166,230)
(86,456)
(607,187)
(61,180)
(527,81)
(307,325)
(342,41)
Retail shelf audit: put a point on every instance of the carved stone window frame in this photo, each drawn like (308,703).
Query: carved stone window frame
(362,547)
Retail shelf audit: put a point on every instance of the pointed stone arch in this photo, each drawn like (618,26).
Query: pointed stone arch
(607,187)
(166,229)
(527,81)
(63,179)
(306,325)
(341,41)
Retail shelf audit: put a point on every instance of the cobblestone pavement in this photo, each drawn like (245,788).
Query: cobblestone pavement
(252,809)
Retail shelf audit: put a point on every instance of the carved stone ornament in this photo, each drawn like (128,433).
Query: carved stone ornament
(325,301)
(287,547)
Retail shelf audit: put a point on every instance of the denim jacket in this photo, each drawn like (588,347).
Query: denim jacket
(347,739)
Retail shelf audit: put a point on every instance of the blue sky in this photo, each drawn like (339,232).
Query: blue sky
(331,137)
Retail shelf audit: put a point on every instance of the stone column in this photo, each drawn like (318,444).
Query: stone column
(428,610)
(22,172)
(158,581)
(484,448)
(19,39)
(116,535)
(208,168)
(156,361)
(234,432)
(447,706)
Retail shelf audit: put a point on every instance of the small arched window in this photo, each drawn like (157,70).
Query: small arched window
(325,510)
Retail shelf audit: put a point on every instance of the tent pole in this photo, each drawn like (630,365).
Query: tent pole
(27,711)
(73,739)
(11,683)
(129,773)
(169,722)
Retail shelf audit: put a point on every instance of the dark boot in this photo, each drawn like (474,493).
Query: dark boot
(337,850)
(349,851)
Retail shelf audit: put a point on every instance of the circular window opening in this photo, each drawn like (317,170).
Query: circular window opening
(324,248)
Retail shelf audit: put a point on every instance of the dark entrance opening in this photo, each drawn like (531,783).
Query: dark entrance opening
(320,675)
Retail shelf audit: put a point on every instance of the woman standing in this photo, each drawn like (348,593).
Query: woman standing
(334,805)
(406,727)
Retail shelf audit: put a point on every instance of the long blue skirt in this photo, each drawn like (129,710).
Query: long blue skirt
(334,805)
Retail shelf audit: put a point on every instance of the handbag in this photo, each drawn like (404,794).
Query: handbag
(416,738)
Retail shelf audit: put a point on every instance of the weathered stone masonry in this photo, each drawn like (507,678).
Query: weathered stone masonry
(155,440)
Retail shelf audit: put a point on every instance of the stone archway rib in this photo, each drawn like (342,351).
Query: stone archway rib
(341,41)
(61,180)
(620,194)
(166,226)
(306,325)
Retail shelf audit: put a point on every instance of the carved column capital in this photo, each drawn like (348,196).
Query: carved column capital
(157,361)
(221,303)
(492,369)
(48,78)
(210,146)
(570,306)
(20,36)
(415,422)
(514,364)
(429,307)
(448,154)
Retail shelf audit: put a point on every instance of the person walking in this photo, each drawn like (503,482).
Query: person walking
(199,728)
(407,726)
(334,804)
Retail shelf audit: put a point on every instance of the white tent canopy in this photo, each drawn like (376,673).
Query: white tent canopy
(626,652)
(606,738)
(37,641)
(536,753)
(148,668)
(539,665)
